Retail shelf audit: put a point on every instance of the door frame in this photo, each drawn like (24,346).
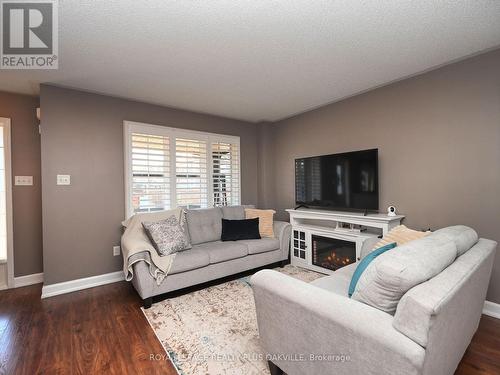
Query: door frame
(8,200)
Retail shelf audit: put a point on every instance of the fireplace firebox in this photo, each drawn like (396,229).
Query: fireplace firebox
(332,253)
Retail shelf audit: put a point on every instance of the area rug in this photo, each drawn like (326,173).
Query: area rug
(214,330)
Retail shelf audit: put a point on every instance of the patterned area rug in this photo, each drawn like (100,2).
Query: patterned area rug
(214,330)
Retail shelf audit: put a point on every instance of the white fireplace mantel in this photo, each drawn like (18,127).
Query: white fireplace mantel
(307,223)
(380,221)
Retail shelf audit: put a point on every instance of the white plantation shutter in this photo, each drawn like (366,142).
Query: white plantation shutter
(169,167)
(191,173)
(150,185)
(225,174)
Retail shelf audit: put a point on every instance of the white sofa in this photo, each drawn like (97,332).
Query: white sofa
(429,333)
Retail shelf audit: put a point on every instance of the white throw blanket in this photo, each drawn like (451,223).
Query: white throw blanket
(137,247)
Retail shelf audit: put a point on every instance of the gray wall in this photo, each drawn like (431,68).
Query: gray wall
(26,200)
(438,137)
(82,135)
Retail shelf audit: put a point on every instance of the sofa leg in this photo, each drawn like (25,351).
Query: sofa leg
(147,302)
(283,263)
(275,370)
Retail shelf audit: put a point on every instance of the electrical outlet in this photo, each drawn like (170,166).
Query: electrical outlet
(116,250)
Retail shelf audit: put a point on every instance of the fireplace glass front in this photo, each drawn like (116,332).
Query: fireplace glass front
(332,253)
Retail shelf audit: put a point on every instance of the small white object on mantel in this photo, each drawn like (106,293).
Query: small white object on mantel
(391,211)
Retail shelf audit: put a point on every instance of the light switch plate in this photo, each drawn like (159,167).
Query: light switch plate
(23,180)
(116,250)
(63,179)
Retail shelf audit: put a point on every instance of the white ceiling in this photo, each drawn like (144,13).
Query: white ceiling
(256,59)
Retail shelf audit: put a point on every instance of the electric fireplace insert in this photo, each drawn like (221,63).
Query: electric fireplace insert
(332,253)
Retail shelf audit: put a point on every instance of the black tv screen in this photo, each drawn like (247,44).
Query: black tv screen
(339,181)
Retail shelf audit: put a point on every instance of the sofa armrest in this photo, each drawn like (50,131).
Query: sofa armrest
(143,282)
(283,231)
(298,320)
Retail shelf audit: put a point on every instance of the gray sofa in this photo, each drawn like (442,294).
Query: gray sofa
(210,258)
(429,333)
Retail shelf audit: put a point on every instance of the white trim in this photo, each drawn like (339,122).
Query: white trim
(179,132)
(127,156)
(79,284)
(26,280)
(491,309)
(5,122)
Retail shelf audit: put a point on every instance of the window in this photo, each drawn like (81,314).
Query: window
(191,173)
(168,167)
(150,172)
(225,174)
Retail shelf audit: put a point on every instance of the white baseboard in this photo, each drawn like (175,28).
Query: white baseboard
(491,309)
(35,278)
(79,284)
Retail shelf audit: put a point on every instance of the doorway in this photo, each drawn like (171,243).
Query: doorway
(6,235)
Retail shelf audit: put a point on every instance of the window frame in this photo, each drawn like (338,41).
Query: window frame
(130,127)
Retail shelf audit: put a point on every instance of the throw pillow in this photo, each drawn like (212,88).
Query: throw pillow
(401,235)
(265,220)
(246,229)
(167,235)
(365,263)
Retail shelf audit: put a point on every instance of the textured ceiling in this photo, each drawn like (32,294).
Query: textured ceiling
(256,59)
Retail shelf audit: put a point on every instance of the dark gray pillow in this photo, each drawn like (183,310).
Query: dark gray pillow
(167,236)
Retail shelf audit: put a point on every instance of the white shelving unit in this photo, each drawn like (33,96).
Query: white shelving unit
(307,223)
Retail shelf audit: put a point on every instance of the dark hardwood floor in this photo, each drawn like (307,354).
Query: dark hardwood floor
(95,331)
(102,331)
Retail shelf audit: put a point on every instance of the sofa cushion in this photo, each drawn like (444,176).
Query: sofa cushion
(234,212)
(189,260)
(395,272)
(204,225)
(337,283)
(464,237)
(219,251)
(261,246)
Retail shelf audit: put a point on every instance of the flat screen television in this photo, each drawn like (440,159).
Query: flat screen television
(347,181)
